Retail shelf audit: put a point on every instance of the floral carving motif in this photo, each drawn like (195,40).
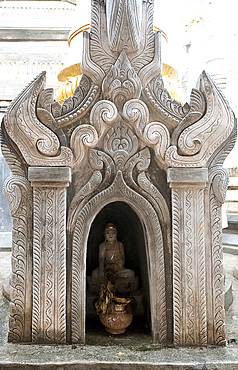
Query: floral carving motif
(122,82)
(121,143)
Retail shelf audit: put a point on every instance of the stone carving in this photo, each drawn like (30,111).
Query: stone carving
(217,292)
(84,135)
(121,133)
(154,68)
(122,82)
(99,161)
(119,191)
(97,51)
(215,196)
(18,193)
(49,263)
(196,111)
(126,16)
(164,107)
(87,135)
(145,56)
(189,255)
(38,144)
(54,306)
(103,113)
(195,141)
(153,134)
(120,143)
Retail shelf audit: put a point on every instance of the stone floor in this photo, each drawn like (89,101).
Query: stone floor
(129,351)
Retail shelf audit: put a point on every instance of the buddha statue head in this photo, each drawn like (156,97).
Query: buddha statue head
(110,233)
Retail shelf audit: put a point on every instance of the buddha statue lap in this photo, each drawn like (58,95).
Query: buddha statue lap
(111,265)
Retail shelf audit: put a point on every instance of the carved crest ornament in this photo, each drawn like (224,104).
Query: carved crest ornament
(119,138)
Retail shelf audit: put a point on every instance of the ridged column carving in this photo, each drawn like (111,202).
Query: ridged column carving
(49,253)
(18,193)
(189,272)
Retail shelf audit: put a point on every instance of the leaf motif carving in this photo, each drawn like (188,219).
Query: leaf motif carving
(167,110)
(122,82)
(98,52)
(123,24)
(37,143)
(200,140)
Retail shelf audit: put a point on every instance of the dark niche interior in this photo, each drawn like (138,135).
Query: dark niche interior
(130,232)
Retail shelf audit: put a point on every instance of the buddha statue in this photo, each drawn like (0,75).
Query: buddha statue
(111,265)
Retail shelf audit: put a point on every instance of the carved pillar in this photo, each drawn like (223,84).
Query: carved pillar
(189,278)
(214,198)
(49,253)
(18,193)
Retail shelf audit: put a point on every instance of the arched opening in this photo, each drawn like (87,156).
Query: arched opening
(131,234)
(150,223)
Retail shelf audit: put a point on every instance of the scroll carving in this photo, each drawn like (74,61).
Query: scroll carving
(38,144)
(153,134)
(83,136)
(196,110)
(199,141)
(103,113)
(87,135)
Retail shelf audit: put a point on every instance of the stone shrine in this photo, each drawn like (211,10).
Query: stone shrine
(119,150)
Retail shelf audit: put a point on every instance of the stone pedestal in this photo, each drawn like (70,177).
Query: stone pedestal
(189,278)
(49,253)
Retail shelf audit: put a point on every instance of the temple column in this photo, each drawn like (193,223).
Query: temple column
(49,253)
(189,272)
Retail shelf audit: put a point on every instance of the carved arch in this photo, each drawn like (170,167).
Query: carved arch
(119,191)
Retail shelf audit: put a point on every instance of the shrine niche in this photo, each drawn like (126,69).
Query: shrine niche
(121,151)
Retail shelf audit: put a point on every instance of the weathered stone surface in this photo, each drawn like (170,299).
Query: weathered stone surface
(49,253)
(132,151)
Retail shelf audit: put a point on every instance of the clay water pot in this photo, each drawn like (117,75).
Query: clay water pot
(117,319)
